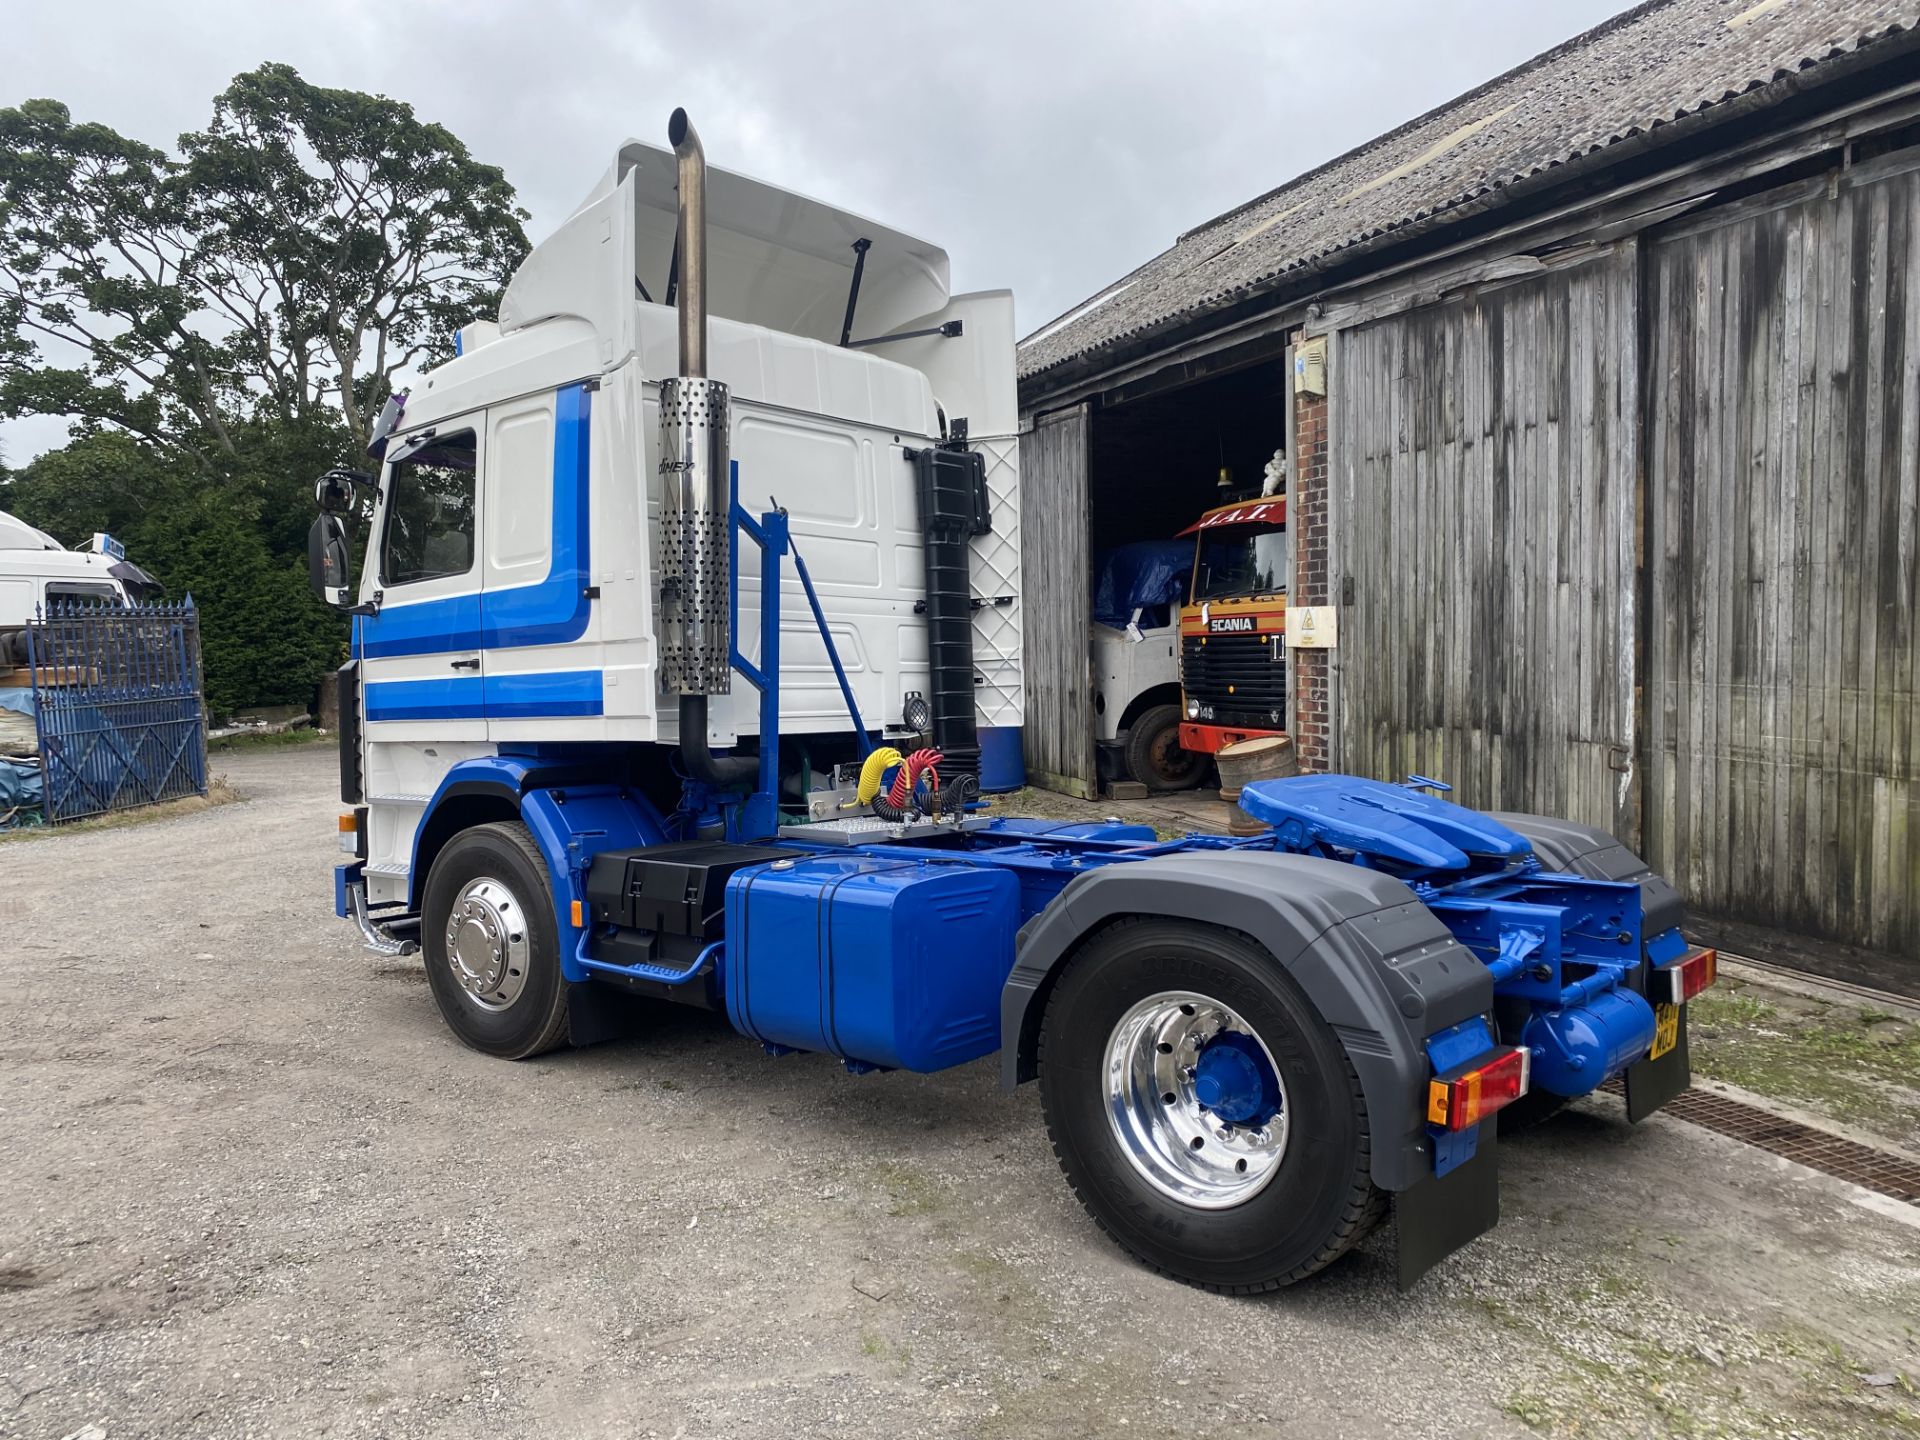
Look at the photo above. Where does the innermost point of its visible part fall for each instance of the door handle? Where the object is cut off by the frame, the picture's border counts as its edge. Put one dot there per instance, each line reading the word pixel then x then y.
pixel 466 664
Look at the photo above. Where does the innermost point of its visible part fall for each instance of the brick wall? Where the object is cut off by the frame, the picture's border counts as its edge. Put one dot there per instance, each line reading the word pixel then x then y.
pixel 1307 517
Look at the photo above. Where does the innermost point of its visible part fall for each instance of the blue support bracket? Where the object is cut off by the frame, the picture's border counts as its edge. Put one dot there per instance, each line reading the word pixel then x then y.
pixel 1450 1051
pixel 758 815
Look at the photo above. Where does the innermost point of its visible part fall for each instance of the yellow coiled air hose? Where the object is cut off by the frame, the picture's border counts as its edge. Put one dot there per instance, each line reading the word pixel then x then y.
pixel 876 766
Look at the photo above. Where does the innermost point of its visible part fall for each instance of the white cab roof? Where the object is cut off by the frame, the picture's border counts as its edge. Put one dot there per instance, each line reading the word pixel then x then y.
pixel 16 534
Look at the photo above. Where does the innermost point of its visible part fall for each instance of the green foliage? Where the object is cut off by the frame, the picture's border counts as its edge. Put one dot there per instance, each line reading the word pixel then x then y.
pixel 310 246
pixel 222 325
pixel 375 234
pixel 265 639
pixel 97 320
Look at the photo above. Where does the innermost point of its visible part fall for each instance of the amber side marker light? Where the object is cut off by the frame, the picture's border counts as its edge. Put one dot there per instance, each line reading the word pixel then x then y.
pixel 1464 1100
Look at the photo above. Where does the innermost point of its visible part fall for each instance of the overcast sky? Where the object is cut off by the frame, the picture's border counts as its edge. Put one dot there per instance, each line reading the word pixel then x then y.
pixel 1048 146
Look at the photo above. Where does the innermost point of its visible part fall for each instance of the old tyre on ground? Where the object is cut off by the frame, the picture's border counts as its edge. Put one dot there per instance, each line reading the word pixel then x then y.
pixel 491 945
pixel 1155 756
pixel 1202 1110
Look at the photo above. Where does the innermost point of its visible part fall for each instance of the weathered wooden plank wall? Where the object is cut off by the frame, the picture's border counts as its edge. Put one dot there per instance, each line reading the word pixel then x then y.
pixel 1784 430
pixel 1057 602
pixel 1484 452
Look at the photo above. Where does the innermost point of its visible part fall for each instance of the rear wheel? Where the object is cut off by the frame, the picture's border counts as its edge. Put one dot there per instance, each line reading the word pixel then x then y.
pixel 1155 756
pixel 1202 1110
pixel 492 945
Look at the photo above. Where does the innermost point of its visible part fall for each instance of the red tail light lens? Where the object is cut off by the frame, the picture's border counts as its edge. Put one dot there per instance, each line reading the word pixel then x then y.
pixel 1680 982
pixel 1464 1100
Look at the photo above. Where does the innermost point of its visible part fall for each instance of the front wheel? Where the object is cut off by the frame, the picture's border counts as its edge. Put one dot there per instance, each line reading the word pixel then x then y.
pixel 1155 756
pixel 491 942
pixel 1204 1113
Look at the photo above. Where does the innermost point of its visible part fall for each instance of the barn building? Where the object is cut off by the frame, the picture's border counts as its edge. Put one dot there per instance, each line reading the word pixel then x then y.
pixel 1600 387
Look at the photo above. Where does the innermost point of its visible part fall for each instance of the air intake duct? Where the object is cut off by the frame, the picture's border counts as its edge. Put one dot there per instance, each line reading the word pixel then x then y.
pixel 696 534
pixel 951 484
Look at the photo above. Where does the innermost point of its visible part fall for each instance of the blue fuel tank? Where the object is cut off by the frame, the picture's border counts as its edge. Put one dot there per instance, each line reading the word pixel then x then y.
pixel 1578 1049
pixel 884 962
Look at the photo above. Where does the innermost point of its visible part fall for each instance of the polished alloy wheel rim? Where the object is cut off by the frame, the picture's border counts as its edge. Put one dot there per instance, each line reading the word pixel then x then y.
pixel 487 948
pixel 1195 1100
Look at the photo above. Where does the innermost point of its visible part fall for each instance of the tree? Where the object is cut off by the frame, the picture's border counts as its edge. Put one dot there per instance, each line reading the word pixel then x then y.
pixel 97 315
pixel 345 238
pixel 310 246
pixel 223 324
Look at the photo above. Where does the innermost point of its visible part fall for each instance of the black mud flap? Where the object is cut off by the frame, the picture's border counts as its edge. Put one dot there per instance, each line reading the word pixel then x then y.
pixel 1649 1084
pixel 1435 1218
pixel 600 1012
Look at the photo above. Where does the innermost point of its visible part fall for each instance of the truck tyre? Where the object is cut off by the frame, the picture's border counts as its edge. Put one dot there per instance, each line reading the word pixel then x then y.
pixel 1203 1112
pixel 1155 756
pixel 491 943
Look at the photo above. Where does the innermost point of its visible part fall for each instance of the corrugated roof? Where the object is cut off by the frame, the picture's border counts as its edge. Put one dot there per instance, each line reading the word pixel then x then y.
pixel 1642 70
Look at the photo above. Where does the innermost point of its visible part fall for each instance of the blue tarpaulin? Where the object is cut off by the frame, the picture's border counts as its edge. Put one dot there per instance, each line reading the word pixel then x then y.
pixel 20 788
pixel 1148 575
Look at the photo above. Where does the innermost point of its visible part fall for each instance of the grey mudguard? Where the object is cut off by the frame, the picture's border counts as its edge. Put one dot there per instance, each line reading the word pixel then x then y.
pixel 1375 962
pixel 1595 855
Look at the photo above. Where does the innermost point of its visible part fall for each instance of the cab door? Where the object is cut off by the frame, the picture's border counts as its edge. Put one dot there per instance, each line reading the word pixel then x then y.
pixel 420 650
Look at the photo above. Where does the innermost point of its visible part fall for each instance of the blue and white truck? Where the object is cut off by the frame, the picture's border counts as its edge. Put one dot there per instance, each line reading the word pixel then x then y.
pixel 721 433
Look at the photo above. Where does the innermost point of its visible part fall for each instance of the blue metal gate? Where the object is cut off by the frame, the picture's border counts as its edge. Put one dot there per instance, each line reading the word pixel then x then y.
pixel 117 704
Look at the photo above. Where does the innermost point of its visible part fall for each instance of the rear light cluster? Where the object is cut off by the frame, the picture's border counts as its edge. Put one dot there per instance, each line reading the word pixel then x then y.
pixel 1681 981
pixel 1462 1101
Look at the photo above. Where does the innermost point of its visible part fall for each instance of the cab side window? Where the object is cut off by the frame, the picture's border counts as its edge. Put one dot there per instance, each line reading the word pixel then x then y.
pixel 79 591
pixel 430 512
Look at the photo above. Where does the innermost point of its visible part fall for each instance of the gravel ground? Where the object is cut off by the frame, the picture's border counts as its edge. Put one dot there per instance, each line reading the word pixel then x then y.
pixel 252 1187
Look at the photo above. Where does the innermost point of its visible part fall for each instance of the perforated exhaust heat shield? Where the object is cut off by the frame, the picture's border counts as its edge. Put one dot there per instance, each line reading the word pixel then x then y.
pixel 695 539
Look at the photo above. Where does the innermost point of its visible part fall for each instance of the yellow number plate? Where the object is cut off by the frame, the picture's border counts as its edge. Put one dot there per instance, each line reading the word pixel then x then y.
pixel 1666 1029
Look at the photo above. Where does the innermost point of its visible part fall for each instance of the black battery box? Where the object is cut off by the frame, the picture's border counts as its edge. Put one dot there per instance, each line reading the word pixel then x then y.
pixel 674 889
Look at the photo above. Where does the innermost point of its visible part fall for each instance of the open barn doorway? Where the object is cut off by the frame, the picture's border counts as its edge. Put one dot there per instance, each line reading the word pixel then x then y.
pixel 1158 464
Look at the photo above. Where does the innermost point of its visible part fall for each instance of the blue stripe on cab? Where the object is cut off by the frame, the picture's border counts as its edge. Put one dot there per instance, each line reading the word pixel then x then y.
pixel 557 609
pixel 560 692
pixel 498 697
pixel 550 612
pixel 452 698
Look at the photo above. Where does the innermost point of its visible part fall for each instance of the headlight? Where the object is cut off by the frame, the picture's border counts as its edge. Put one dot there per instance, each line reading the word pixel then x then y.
pixel 1193 709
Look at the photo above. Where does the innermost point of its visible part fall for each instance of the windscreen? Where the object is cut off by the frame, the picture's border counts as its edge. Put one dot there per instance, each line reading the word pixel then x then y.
pixel 1238 560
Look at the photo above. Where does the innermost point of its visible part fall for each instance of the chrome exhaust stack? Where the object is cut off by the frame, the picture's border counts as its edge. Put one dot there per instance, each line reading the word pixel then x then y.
pixel 696 534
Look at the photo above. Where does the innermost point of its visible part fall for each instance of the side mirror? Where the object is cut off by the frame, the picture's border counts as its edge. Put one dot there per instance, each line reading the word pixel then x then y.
pixel 336 491
pixel 327 563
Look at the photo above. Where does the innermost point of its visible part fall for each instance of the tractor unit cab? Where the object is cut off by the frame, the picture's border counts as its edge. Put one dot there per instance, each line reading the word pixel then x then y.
pixel 585 526
pixel 1233 628
pixel 550 559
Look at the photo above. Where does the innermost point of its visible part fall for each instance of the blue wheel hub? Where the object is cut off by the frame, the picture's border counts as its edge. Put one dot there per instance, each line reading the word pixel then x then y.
pixel 1234 1080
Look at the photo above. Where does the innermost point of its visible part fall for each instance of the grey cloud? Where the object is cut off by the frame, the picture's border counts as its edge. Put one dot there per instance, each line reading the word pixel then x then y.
pixel 1050 147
